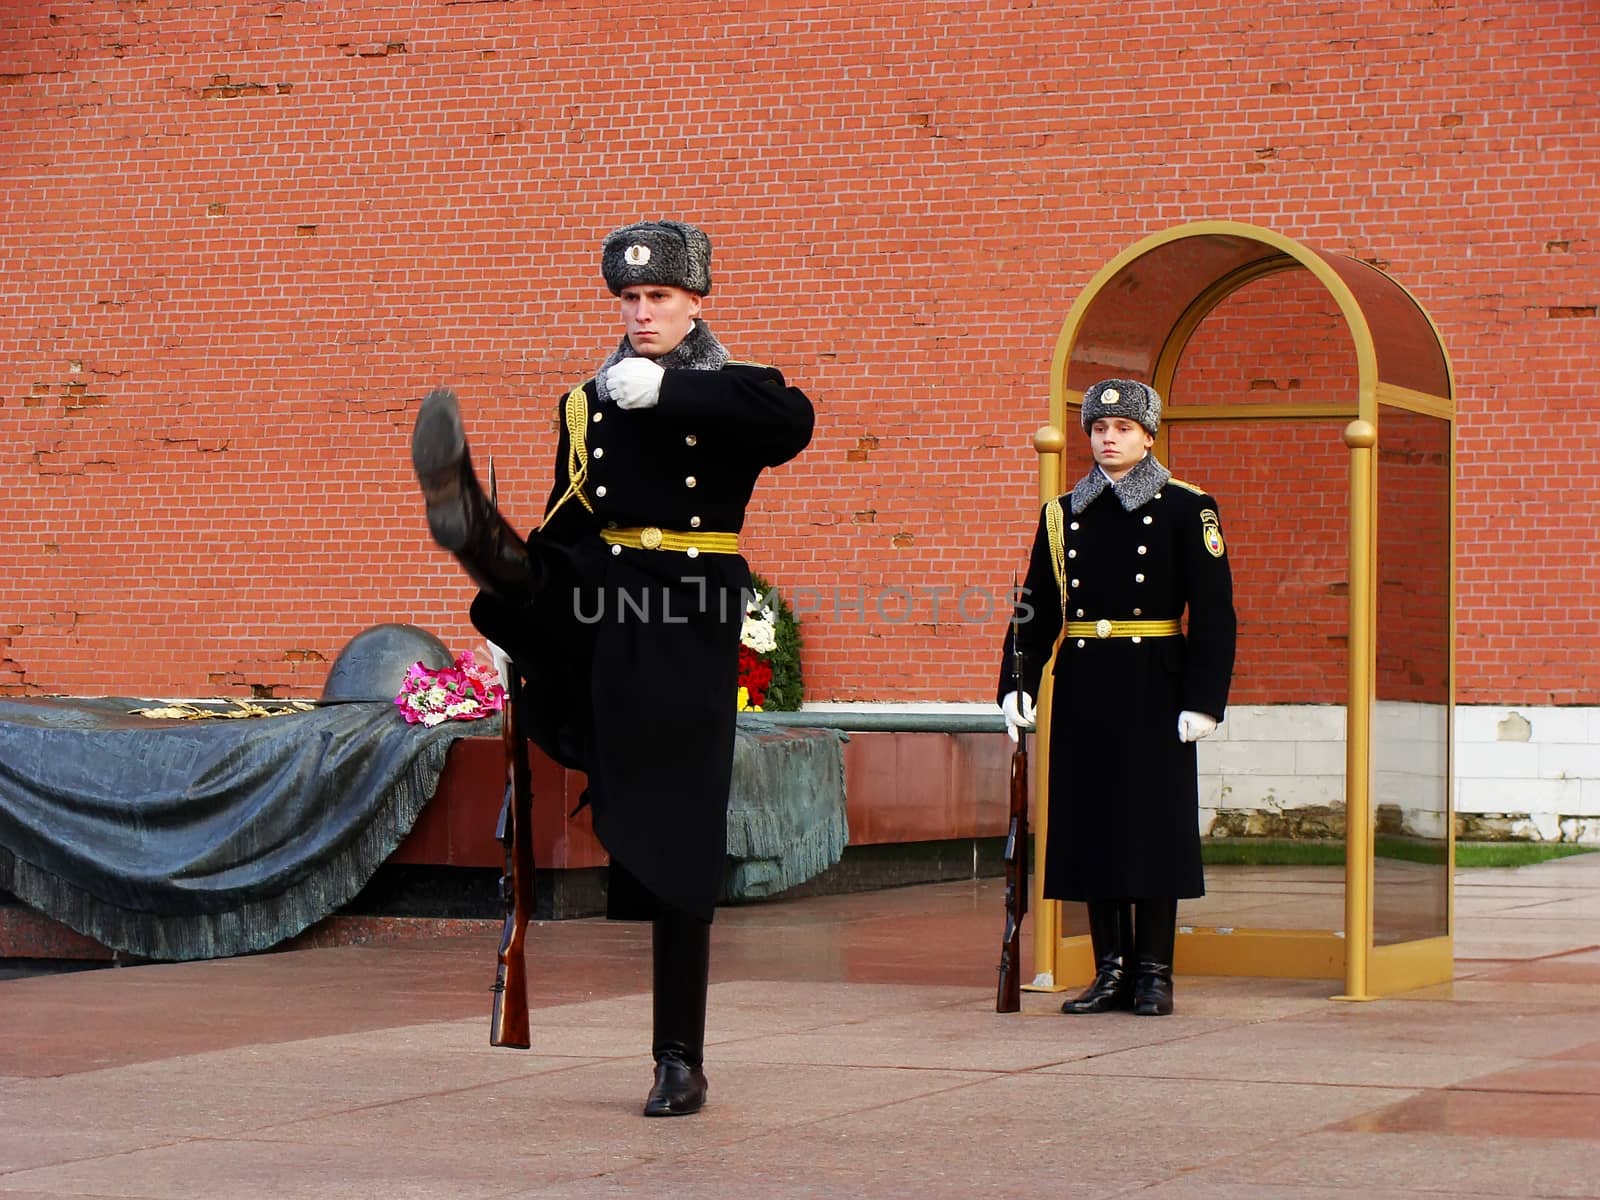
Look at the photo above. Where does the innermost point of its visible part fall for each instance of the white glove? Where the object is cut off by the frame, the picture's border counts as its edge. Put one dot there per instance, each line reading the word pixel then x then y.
pixel 1192 726
pixel 635 383
pixel 1018 716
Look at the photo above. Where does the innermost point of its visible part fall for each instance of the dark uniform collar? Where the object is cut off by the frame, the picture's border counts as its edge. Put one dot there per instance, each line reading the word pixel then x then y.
pixel 1134 489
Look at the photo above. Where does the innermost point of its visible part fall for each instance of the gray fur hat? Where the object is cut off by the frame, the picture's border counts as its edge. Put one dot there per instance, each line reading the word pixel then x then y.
pixel 668 252
pixel 1122 398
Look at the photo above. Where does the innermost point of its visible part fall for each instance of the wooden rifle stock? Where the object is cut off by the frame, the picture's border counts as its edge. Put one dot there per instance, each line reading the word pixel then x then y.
pixel 1008 995
pixel 508 1022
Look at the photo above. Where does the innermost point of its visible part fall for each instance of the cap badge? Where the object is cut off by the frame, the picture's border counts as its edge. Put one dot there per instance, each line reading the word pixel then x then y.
pixel 637 254
pixel 1110 396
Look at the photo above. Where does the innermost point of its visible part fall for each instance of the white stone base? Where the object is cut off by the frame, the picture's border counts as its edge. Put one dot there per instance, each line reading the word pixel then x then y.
pixel 1522 773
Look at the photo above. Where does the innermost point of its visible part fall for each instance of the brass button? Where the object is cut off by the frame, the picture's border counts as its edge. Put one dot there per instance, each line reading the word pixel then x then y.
pixel 650 537
pixel 1138 578
pixel 1074 525
pixel 1102 628
pixel 1081 643
pixel 615 550
pixel 1136 639
pixel 599 451
pixel 1144 549
pixel 1149 520
pixel 601 490
pixel 1072 554
pixel 690 440
pixel 1080 612
pixel 694 522
pixel 689 482
pixel 1138 612
pixel 693 551
pixel 597 417
pixel 1074 583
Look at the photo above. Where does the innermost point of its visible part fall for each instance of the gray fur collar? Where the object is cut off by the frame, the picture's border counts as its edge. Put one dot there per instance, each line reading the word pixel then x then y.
pixel 699 351
pixel 1134 489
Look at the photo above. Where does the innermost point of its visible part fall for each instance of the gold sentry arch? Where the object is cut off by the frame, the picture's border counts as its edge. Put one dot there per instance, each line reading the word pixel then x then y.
pixel 1134 320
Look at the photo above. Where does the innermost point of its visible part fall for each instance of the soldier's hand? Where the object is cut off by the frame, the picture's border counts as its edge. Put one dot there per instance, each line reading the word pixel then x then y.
pixel 1017 708
pixel 635 383
pixel 1192 726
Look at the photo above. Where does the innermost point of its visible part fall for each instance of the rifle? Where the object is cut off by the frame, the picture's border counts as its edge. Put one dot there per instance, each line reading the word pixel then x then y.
pixel 508 1022
pixel 1008 994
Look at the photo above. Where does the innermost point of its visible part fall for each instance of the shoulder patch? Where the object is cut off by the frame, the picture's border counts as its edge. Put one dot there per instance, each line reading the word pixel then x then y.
pixel 1187 486
pixel 1211 533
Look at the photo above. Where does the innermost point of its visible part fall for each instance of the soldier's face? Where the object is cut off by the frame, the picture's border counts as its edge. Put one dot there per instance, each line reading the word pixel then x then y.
pixel 657 317
pixel 1118 444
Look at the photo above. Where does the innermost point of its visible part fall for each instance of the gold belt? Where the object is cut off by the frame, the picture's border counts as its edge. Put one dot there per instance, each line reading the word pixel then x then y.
pixel 1123 629
pixel 649 537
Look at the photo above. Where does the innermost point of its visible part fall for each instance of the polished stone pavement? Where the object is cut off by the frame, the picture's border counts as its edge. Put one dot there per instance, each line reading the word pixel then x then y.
pixel 853 1052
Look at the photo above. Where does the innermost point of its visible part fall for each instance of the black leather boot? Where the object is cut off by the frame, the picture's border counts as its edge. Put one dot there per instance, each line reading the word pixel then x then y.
pixel 1155 928
pixel 1111 933
pixel 461 518
pixel 681 967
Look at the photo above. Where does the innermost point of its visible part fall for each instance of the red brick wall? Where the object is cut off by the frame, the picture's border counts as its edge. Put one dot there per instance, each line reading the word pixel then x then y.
pixel 241 240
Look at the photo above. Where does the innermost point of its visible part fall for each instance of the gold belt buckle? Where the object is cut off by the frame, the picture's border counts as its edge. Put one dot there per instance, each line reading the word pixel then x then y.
pixel 650 537
pixel 1102 628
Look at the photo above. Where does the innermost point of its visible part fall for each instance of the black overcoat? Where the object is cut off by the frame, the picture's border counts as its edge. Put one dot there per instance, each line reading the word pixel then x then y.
pixel 631 655
pixel 1123 815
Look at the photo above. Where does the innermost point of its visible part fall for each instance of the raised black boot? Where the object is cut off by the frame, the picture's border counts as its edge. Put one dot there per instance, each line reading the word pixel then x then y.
pixel 461 518
pixel 1111 933
pixel 1155 929
pixel 681 967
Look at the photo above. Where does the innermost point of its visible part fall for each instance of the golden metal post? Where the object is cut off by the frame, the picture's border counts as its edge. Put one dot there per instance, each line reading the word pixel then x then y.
pixel 1361 437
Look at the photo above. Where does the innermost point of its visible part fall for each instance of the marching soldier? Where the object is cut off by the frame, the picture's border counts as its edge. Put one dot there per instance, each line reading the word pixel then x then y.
pixel 623 610
pixel 1116 564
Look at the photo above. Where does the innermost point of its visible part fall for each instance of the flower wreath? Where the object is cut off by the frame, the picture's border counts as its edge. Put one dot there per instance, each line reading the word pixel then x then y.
pixel 465 691
pixel 769 653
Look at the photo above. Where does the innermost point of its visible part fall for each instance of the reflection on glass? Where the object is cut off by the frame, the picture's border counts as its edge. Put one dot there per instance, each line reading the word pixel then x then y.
pixel 1411 717
pixel 1272 781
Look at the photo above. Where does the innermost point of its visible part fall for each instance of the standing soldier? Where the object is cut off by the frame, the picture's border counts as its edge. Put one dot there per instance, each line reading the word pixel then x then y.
pixel 1115 564
pixel 623 610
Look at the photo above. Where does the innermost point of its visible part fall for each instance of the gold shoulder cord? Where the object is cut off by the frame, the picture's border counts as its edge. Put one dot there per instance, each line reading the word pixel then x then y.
pixel 1055 530
pixel 577 413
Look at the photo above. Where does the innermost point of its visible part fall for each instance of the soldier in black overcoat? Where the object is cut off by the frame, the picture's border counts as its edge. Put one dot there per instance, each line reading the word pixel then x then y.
pixel 622 611
pixel 1117 565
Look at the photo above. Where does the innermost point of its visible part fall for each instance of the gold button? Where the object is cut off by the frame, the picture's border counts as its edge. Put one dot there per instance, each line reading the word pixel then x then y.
pixel 601 490
pixel 1102 628
pixel 1144 549
pixel 1138 578
pixel 1080 612
pixel 1072 554
pixel 599 451
pixel 1136 639
pixel 1138 612
pixel 1149 520
pixel 689 482
pixel 690 440
pixel 1081 643
pixel 693 551
pixel 1074 525
pixel 694 522
pixel 616 550
pixel 1074 583
pixel 650 537
pixel 597 417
